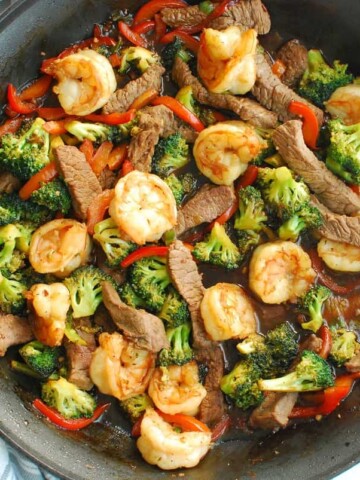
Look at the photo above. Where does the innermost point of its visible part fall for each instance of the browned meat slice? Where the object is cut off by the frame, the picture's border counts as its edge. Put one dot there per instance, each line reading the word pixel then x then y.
pixel 107 179
pixel 339 228
pixel 206 205
pixel 330 190
pixel 313 343
pixel 247 109
pixel 121 100
pixel 9 183
pixel 143 328
pixel 103 320
pixel 271 93
pixel 294 56
pixel 14 330
pixel 273 413
pixel 79 356
pixel 246 14
pixel 81 180
pixel 117 274
pixel 142 147
pixel 185 275
pixel 353 365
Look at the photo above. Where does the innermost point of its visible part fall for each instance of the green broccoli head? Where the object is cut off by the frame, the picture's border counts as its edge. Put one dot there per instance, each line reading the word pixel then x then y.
pixel 268 149
pixel 320 80
pixel 175 185
pixel 13 210
pixel 310 374
pixel 218 249
pixel 344 345
pixel 180 351
pixel 170 154
pixel 53 195
pixel 10 259
pixel 26 230
pixel 312 303
pixel 175 310
pixel 173 50
pixel 251 214
pixel 186 97
pixel 12 290
pixel 68 399
pixel 137 58
pixel 135 406
pixel 40 358
pixel 128 296
pixel 306 218
pixel 25 153
pixel 95 132
pixel 246 241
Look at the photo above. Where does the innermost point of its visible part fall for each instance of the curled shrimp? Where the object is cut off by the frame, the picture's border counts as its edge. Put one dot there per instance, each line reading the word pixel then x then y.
pixel 143 207
pixel 344 103
pixel 226 60
pixel 119 368
pixel 339 256
pixel 227 312
pixel 86 81
pixel 161 445
pixel 222 152
pixel 50 304
pixel 280 272
pixel 59 247
pixel 176 389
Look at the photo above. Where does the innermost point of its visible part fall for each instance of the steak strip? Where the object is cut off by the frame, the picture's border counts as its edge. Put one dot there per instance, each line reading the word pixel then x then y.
pixel 14 330
pixel 294 56
pixel 329 189
pixel 273 413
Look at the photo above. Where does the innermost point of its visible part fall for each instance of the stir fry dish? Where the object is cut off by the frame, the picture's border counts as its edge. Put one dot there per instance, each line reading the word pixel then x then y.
pixel 180 228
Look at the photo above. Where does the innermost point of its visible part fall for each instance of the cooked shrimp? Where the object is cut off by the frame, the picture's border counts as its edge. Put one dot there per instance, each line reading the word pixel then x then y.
pixel 143 207
pixel 339 256
pixel 177 389
pixel 280 272
pixel 161 445
pixel 86 81
pixel 227 312
pixel 226 60
pixel 59 247
pixel 344 103
pixel 119 368
pixel 222 152
pixel 50 304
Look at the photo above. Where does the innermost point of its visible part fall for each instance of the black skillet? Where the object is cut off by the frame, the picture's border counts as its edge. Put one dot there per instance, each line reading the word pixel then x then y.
pixel 317 450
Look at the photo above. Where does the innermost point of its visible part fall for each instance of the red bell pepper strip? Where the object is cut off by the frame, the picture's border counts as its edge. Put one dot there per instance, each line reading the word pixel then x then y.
pixel 355 189
pixel 310 128
pixel 248 177
pixel 117 156
pixel 325 335
pixel 131 36
pixel 45 175
pixel 278 68
pixel 16 104
pixel 220 428
pixel 143 252
pixel 115 60
pixel 37 89
pixel 190 42
pixel 217 12
pixel 148 10
pixel 87 148
pixel 144 99
pixel 10 126
pixel 111 118
pixel 56 127
pixel 180 111
pixel 144 27
pixel 185 422
pixel 97 209
pixel 68 424
pixel 101 157
pixel 136 429
pixel 219 117
pixel 160 27
pixel 127 167
pixel 97 31
pixel 51 113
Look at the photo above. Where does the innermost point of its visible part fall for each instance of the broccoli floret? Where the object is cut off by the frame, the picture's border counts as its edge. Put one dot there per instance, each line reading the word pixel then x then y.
pixel 100 132
pixel 12 289
pixel 135 406
pixel 84 285
pixel 246 241
pixel 251 214
pixel 68 399
pixel 186 97
pixel 320 80
pixel 175 310
pixel 306 218
pixel 175 185
pixel 138 58
pixel 128 296
pixel 149 278
pixel 109 237
pixel 13 210
pixel 53 195
pixel 218 249
pixel 206 7
pixel 344 345
pixel 40 358
pixel 26 230
pixel 180 351
pixel 170 154
pixel 268 149
pixel 189 183
pixel 10 259
pixel 25 153
pixel 173 50
pixel 310 374
pixel 312 303
pixel 343 154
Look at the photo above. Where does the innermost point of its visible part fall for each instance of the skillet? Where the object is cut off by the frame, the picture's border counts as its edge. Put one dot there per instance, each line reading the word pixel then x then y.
pixel 317 450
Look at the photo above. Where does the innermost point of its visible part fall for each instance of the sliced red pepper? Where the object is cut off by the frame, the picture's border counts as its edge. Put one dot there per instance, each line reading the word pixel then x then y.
pixel 117 156
pixel 148 10
pixel 112 118
pixel 51 113
pixel 220 428
pixel 310 128
pixel 55 127
pixel 217 12
pixel 96 211
pixel 103 40
pixel 16 104
pixel 68 424
pixel 325 335
pixel 97 31
pixel 185 422
pixel 190 42
pixel 127 167
pixel 101 157
pixel 219 117
pixel 136 429
pixel 160 27
pixel 115 60
pixel 248 177
pixel 10 126
pixel 87 148
pixel 131 36
pixel 144 27
pixel 143 252
pixel 278 68
pixel 355 189
pixel 144 99
pixel 37 89
pixel 45 175
pixel 180 111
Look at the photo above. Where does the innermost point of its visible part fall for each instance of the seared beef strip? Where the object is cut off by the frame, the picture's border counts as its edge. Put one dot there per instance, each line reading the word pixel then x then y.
pixel 107 179
pixel 81 180
pixel 121 100
pixel 14 330
pixel 294 56
pixel 273 413
pixel 245 14
pixel 247 109
pixel 271 93
pixel 143 328
pixel 205 206
pixel 353 365
pixel 186 278
pixel 9 183
pixel 329 189
pixel 313 343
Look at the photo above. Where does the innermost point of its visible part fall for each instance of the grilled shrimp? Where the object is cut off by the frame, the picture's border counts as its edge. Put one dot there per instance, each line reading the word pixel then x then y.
pixel 161 445
pixel 222 152
pixel 86 81
pixel 59 247
pixel 226 60
pixel 344 103
pixel 339 256
pixel 227 312
pixel 50 304
pixel 143 207
pixel 280 271
pixel 119 368
pixel 177 389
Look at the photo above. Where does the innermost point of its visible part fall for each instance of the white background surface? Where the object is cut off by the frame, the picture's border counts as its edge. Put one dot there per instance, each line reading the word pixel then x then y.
pixel 352 474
